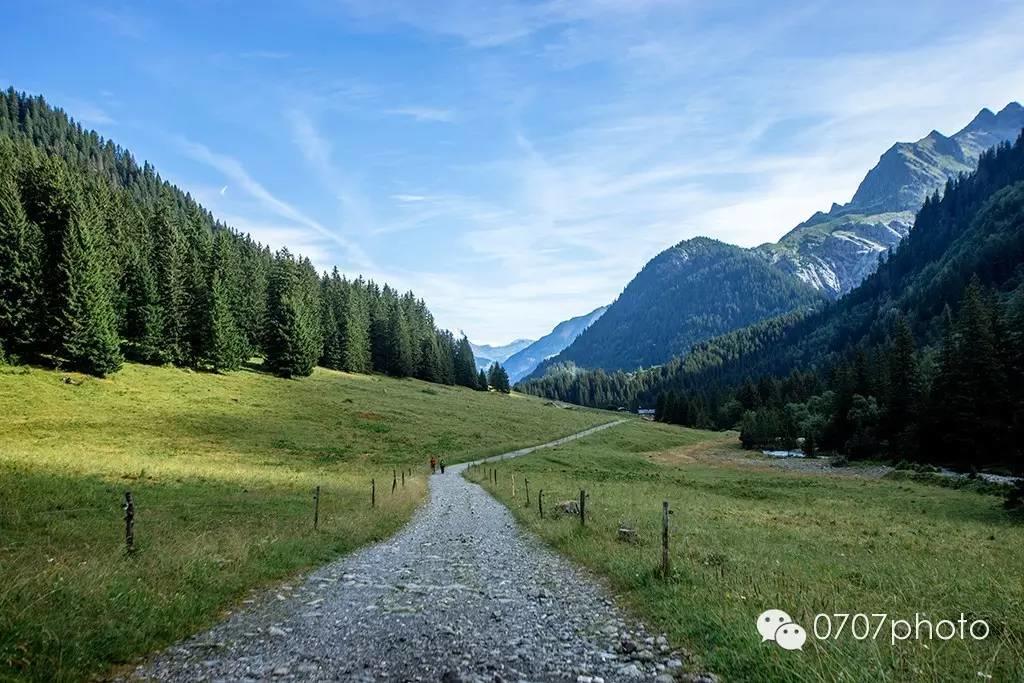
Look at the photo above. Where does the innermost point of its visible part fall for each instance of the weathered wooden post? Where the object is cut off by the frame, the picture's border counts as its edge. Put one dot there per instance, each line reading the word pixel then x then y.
pixel 394 481
pixel 540 503
pixel 316 509
pixel 583 504
pixel 513 484
pixel 373 493
pixel 403 479
pixel 527 483
pixel 664 540
pixel 129 522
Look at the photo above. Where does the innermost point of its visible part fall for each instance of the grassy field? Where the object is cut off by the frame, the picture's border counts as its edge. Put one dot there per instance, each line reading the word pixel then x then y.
pixel 222 469
pixel 748 535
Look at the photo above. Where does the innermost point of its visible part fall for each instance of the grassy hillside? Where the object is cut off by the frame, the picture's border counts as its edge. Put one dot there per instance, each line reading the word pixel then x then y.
pixel 222 469
pixel 750 534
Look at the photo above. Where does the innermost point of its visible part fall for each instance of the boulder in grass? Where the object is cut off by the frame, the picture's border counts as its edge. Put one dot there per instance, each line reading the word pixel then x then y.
pixel 568 507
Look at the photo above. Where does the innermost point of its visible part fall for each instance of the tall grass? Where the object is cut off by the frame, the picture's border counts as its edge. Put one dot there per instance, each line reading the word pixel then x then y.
pixel 222 469
pixel 746 538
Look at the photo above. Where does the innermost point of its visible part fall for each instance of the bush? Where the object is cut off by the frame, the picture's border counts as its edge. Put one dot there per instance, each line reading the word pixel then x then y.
pixel 839 461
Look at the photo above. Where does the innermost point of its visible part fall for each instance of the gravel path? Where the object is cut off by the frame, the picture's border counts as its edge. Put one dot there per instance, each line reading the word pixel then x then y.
pixel 460 594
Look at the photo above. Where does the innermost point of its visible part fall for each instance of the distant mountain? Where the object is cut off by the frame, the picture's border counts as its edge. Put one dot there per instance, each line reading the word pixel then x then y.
pixel 521 364
pixel 975 231
pixel 701 288
pixel 486 355
pixel 694 291
pixel 834 252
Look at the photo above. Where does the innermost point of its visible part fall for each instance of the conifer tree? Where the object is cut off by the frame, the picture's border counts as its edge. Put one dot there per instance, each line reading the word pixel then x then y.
pixel 220 343
pixel 141 323
pixel 170 278
pixel 19 265
pixel 398 342
pixel 222 346
pixel 481 381
pixel 498 378
pixel 465 364
pixel 903 391
pixel 356 329
pixel 330 306
pixel 88 329
pixel 291 343
pixel 198 305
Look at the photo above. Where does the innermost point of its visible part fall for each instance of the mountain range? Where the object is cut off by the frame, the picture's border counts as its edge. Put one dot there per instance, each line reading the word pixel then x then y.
pixel 522 363
pixel 486 354
pixel 835 251
pixel 701 288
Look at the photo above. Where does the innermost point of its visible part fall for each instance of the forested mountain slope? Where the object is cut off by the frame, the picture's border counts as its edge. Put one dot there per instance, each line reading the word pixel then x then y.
pixel 101 259
pixel 696 290
pixel 662 311
pixel 522 363
pixel 924 359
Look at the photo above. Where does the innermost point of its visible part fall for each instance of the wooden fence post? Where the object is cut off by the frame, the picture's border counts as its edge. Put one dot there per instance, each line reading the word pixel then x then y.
pixel 526 481
pixel 373 493
pixel 129 522
pixel 316 509
pixel 394 481
pixel 513 484
pixel 664 540
pixel 403 479
pixel 540 503
pixel 583 505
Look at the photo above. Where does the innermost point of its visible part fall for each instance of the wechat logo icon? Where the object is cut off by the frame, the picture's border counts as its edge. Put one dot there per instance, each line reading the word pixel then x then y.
pixel 774 624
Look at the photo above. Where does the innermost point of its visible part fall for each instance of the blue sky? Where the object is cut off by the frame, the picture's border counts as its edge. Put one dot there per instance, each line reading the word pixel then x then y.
pixel 514 163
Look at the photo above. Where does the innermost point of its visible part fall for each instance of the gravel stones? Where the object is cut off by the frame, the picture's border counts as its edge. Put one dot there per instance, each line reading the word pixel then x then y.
pixel 460 595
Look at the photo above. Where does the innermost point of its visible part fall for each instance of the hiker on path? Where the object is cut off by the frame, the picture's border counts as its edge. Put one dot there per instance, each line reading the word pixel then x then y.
pixel 442 465
pixel 433 465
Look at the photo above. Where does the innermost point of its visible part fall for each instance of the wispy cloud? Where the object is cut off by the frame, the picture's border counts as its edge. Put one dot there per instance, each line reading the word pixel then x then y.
pixel 90 113
pixel 431 114
pixel 233 170
pixel 265 54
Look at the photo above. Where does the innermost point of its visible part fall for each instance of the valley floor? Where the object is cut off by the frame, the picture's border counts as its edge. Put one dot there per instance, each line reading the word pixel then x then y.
pixel 461 594
pixel 748 535
pixel 222 470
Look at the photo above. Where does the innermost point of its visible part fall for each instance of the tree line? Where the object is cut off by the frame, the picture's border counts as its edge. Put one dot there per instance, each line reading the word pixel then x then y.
pixel 101 261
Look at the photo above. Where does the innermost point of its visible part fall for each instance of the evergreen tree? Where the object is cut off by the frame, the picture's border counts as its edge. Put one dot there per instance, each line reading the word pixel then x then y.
pixel 19 265
pixel 498 378
pixel 482 382
pixel 291 343
pixel 903 392
pixel 170 279
pixel 88 329
pixel 222 346
pixel 465 364
pixel 220 343
pixel 398 343
pixel 355 334
pixel 197 280
pixel 141 323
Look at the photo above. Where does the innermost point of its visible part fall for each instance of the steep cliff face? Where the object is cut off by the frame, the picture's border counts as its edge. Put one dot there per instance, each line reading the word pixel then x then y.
pixel 833 252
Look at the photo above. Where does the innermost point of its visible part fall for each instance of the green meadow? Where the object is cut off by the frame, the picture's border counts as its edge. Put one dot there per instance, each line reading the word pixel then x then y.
pixel 222 469
pixel 747 535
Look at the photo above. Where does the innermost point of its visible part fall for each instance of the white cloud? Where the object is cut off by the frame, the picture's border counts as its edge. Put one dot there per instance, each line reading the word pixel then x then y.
pixel 234 171
pixel 428 114
pixel 89 113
